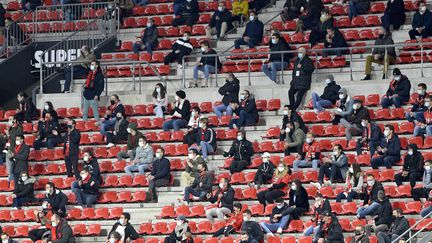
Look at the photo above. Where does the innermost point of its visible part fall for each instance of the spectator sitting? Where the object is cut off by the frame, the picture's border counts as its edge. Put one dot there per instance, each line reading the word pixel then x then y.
pixel 394 14
pixel 6 238
pixel 223 198
pixel 220 23
pixel 114 237
pixel 188 15
pixel 295 138
pixel 253 33
pixel 311 155
pixel 418 108
pixel 208 63
pixel 319 32
pixel 30 5
pixel 26 110
pixel 388 150
pixel 241 151
pixel 160 100
pixel 370 138
pixel 383 219
pixel 353 184
pixel 345 106
pixel 181 47
pixel 125 228
pixel 277 61
pixel 60 230
pixel 424 191
pixel 264 172
pixel 201 186
pixel 149 38
pixel 88 189
pixel 320 206
pixel 290 116
pixel 205 139
pixel 329 96
pixel 132 143
pixel 71 152
pixel 23 191
pixel 49 133
pixel 180 113
pixel 301 78
pixel 143 158
pixel 427 210
pixel 291 9
pixel 240 11
pixel 352 122
pixel 397 228
pixel 358 7
pixel 180 230
pixel 233 223
pixel 90 163
pixel 412 169
pixel 398 92
pixel 192 162
pixel 381 55
pixel 160 174
pixel 111 115
pixel 19 158
pixel 48 108
pixel 278 222
pixel 309 15
pixel 245 238
pixel 82 68
pixel 360 235
pixel 194 122
pixel 177 7
pixel 330 229
pixel 425 126
pixel 42 218
pixel 421 23
pixel 119 134
pixel 334 39
pixel 371 203
pixel 246 111
pixel 230 92
pixel 55 199
pixel 251 228
pixel 278 187
pixel 334 168
pixel 298 201
pixel 93 87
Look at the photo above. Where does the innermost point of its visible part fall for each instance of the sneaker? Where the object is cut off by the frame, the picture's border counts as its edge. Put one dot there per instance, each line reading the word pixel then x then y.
pixel 110 145
pixel 279 231
pixel 78 207
pixel 270 234
pixel 316 111
pixel 14 208
pixel 367 77
pixel 327 183
pixel 316 184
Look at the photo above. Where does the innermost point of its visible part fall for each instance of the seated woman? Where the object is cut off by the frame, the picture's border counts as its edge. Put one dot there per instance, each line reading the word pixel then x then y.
pixel 353 184
pixel 180 232
pixel 120 131
pixel 180 113
pixel 246 111
pixel 279 185
pixel 160 101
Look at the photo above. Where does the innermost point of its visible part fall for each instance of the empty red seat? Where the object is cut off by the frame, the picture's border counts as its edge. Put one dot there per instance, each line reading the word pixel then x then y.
pixel 413 207
pixel 146 228
pixel 274 104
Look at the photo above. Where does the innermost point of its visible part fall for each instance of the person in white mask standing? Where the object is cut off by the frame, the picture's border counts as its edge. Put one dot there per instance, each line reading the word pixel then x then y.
pixel 301 78
pixel 422 22
pixel 93 87
pixel 253 33
pixel 329 96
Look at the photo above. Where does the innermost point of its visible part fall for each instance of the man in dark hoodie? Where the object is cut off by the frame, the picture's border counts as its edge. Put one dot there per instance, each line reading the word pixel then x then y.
pixel 253 33
pixel 370 137
pixel 381 222
pixel 397 228
pixel 329 96
pixel 160 174
pixel 23 191
pixel 251 227
pixel 223 198
pixel 412 169
pixel 301 78
pixel 93 87
pixel 264 172
pixel 330 229
pixel 277 61
pixel 123 225
pixel 246 111
pixel 201 186
pixel 181 47
pixel 418 108
pixel 54 199
pixel 321 205
pixel 352 122
pixel 290 116
pixel 90 163
pixel 26 110
pixel 208 64
pixel 422 22
pixel 60 230
pixel 149 39
pixel 220 23
pixel 388 150
pixel 370 196
pixel 188 15
pixel 398 92
pixel 205 139
pixel 88 189
pixel 334 39
pixel 241 151
pixel 180 113
pixel 230 92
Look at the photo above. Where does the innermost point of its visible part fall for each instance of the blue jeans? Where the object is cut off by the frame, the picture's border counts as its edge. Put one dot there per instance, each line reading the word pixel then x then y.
pixel 311 230
pixel 319 103
pixel 206 148
pixel 141 168
pixel 351 195
pixel 368 210
pixel 107 125
pixel 240 41
pixel 206 69
pixel 221 108
pixel 140 2
pixel 270 70
pixel 396 101
pixel 94 104
pixel 137 47
pixel 419 131
pixel 189 190
pixel 243 120
pixel 50 143
pixel 304 163
pixel 77 71
pixel 386 161
pixel 426 211
pixel 175 124
pixel 84 199
pixel 271 228
pixel 417 116
pixel 19 201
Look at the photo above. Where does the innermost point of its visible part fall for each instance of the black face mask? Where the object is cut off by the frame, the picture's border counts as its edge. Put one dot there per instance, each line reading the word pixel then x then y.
pixel 118 118
pixel 381 36
pixel 112 102
pixel 357 232
pixel 69 126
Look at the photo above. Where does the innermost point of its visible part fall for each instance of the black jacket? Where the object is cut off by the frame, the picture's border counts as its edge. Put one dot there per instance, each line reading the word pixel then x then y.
pixel 230 91
pixel 46 128
pixel 64 233
pixel 119 108
pixel 122 129
pixel 422 20
pixel 73 139
pixel 399 226
pixel 88 188
pixel 393 146
pixel 304 79
pixel 190 9
pixel 185 47
pixel 209 136
pixel 249 107
pixel 277 57
pixel 419 104
pixel 227 198
pixel 373 195
pixel 93 167
pixel 331 92
pixel 396 10
pixel 253 229
pixel 20 159
pixel 150 35
pixel 385 213
pixel 357 115
pixel 161 169
pixel 323 26
pixel 25 189
pixel 207 182
pixel 375 134
pixel 241 150
pixel 413 163
pixel 53 113
pixel 28 110
pixel 334 233
pixel 277 210
pixel 338 40
pixel 210 60
pixel 97 88
pixel 267 169
pixel 301 202
pixel 129 231
pixel 401 88
pixel 294 117
pixel 58 201
pixel 224 16
pixel 184 111
pixel 14 131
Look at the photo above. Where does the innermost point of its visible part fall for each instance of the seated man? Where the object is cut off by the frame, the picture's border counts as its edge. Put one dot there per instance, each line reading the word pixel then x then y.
pixel 371 137
pixel 188 15
pixel 112 110
pixel 201 186
pixel 223 198
pixel 397 228
pixel 418 108
pixel 264 172
pixel 80 69
pixel 181 47
pixel 295 138
pixel 425 126
pixel 358 7
pixel 241 151
pixel 160 174
pixel 388 150
pixel 419 192
pixel 253 33
pixel 329 96
pixel 205 139
pixel 380 55
pixel 90 163
pixel 192 162
pixel 208 64
pixel 180 113
pixel 360 235
pixel 125 228
pixel 412 169
pixel 344 106
pixel 246 111
pixel 143 158
pixel 334 39
pixel 54 199
pixel 277 222
pixel 382 220
pixel 330 229
pixel 119 133
pixel 422 22
pixel 132 143
pixel 230 92
pixel 321 205
pixel 220 23
pixel 311 155
pixel 233 223
pixel 49 133
pixel 334 168
pixel 24 191
pixel 88 189
pixel 277 61
pixel 290 116
pixel 370 198
pixel 352 121
pixel 251 227
pixel 149 39
pixel 60 230
pixel 398 92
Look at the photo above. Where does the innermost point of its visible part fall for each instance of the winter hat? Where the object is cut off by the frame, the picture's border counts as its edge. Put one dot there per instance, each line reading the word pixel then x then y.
pixel 397 72
pixel 181 94
pixel 343 91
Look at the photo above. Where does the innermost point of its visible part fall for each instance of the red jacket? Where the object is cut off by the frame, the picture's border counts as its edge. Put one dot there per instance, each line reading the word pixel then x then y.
pixel 236 221
pixel 312 150
pixel 276 181
pixel 428 116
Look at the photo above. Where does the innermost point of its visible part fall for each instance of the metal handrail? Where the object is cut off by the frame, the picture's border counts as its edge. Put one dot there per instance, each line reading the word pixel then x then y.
pixel 6 43
pixel 408 231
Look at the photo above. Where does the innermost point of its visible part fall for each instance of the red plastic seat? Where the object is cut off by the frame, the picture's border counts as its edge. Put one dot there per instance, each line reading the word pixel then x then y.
pixel 124 196
pixel 100 213
pixel 403 191
pixel 349 208
pixel 197 211
pixel 413 207
pixel 295 226
pixel 417 141
pixel 125 181
pixel 146 228
pixel 261 105
pixel 309 116
pixel 274 104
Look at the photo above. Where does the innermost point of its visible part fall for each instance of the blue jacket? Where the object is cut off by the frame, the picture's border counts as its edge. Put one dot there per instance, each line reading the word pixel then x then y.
pixel 422 20
pixel 393 146
pixel 97 88
pixel 254 29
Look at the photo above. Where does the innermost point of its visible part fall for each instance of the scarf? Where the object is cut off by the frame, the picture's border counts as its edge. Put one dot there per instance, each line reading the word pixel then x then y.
pixel 179 104
pixel 203 131
pixel 393 85
pixel 113 107
pixel 90 79
pixel 222 191
pixel 17 148
pixel 87 179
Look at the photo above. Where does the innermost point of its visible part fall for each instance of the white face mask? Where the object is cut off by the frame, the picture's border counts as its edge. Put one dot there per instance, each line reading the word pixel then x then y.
pixel 121 221
pixel 220 9
pixel 129 130
pixel 185 38
pixel 427 168
pixel 351 170
pixel 323 15
pixel 355 106
pixel 24 178
pixel 5 241
pixel 273 41
pixel 386 133
pixel 423 9
pixel 239 138
pixel 86 158
pixel 10 123
pixel 242 96
pixel 112 240
pixel 341 96
pixel 179 223
pixel 92 67
pixel 281 168
pixel 294 187
pixel 149 24
pixel 335 153
pixel 158 90
pixel 420 92
pixel 191 156
pixel 287 130
pixel 285 112
pixel 251 18
pixel 279 206
pixel 265 160
pixel 141 144
pixel 203 49
pixel 54 224
pixel 221 185
pixel 46 107
pixel 427 104
pixel 327 81
pixel 18 142
pixel 300 55
pixel 371 183
pixel 364 124
pixel 397 78
pixel 308 140
pixel 245 219
pixel 410 152
pixel 177 98
pixel 158 155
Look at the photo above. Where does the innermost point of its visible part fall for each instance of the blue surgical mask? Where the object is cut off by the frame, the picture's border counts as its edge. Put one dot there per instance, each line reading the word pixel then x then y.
pixel 273 41
pixel 300 55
